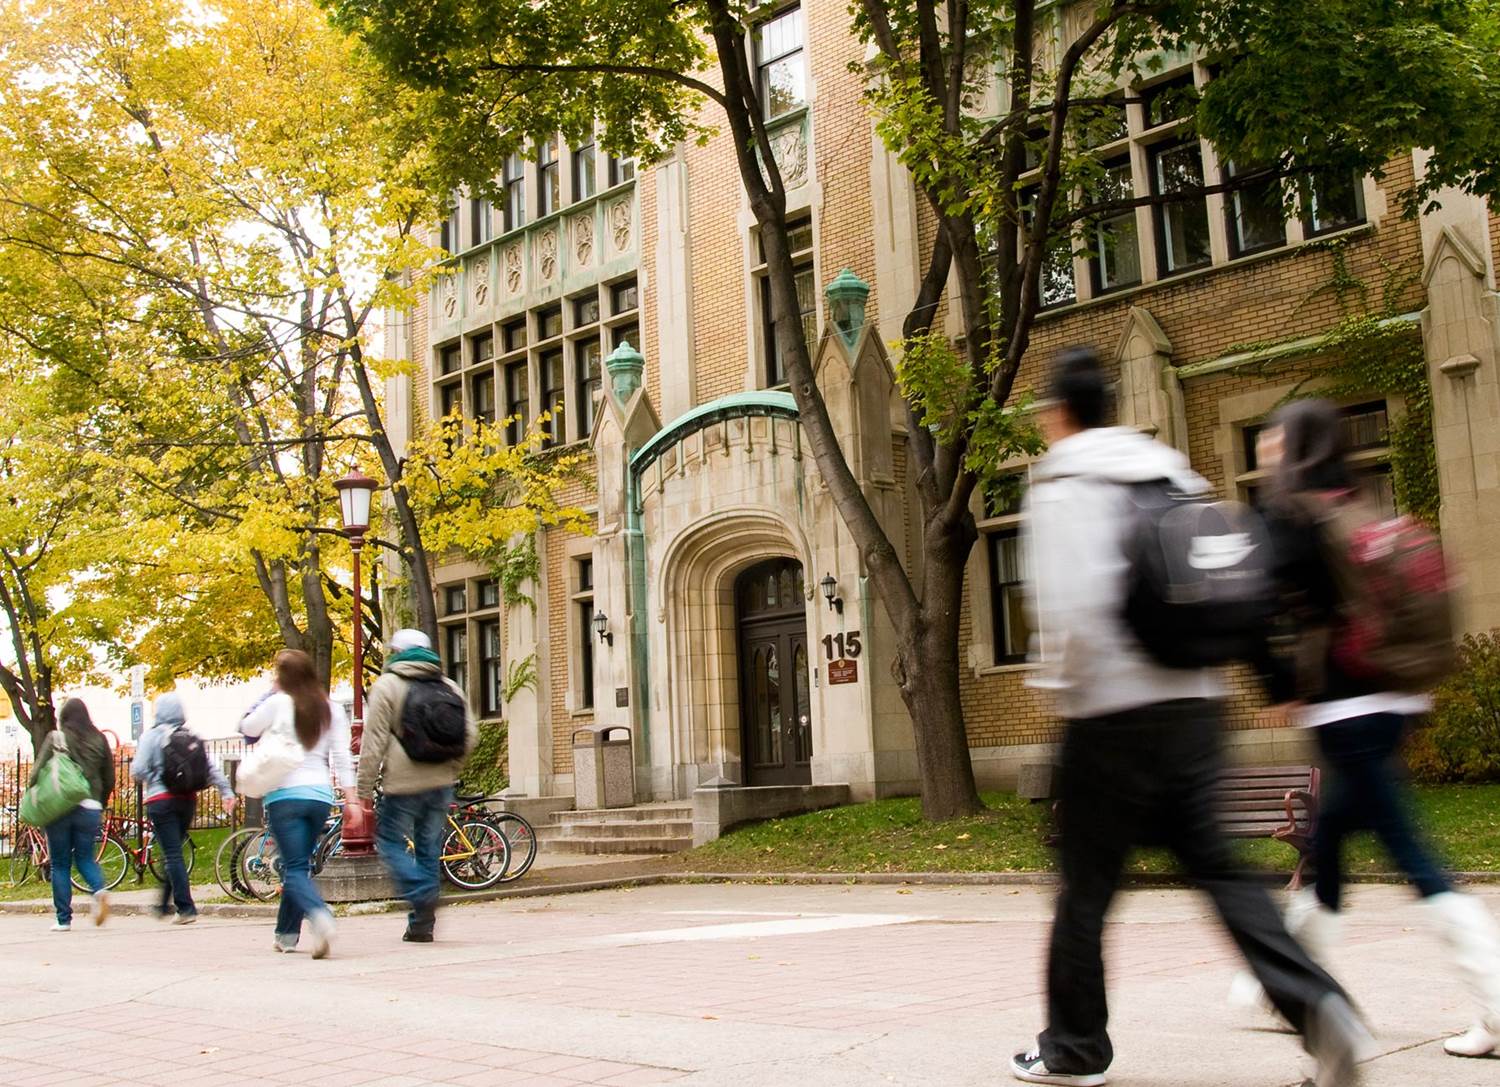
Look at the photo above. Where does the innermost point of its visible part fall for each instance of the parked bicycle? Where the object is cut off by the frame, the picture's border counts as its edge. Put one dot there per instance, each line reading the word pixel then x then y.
pixel 28 854
pixel 519 835
pixel 129 845
pixel 248 865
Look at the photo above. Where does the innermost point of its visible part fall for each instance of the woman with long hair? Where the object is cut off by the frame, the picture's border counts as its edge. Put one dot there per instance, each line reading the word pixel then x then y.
pixel 298 808
pixel 1358 722
pixel 73 839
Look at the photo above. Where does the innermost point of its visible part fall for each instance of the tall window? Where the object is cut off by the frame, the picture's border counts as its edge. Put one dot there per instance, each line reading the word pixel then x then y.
pixel 448 232
pixel 1182 222
pixel 1116 260
pixel 1367 436
pixel 800 240
pixel 481 221
pixel 583 611
pixel 1253 210
pixel 489 667
pixel 551 364
pixel 1001 526
pixel 620 170
pixel 589 368
pixel 482 396
pixel 450 358
pixel 456 664
pixel 779 63
pixel 1057 285
pixel 584 182
pixel 517 401
pixel 548 178
pixel 513 178
pixel 451 399
pixel 1333 203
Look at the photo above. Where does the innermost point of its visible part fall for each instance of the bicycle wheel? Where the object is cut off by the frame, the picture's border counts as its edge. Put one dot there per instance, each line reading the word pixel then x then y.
pixel 114 862
pixel 475 855
pixel 22 861
pixel 227 863
pixel 521 838
pixel 259 869
pixel 158 863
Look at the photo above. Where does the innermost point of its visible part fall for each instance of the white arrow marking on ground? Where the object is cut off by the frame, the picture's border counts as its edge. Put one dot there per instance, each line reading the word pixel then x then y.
pixel 750 930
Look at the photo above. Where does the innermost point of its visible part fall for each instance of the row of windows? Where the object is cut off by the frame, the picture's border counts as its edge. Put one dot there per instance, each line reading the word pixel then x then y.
pixel 460 231
pixel 548 360
pixel 1367 431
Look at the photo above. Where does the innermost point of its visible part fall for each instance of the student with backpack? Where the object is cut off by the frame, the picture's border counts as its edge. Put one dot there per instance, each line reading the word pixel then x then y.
pixel 299 746
pixel 72 835
pixel 418 732
pixel 1141 749
pixel 174 766
pixel 1368 612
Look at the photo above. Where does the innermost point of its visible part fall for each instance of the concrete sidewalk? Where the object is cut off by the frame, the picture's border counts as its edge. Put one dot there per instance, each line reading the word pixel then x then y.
pixel 693 985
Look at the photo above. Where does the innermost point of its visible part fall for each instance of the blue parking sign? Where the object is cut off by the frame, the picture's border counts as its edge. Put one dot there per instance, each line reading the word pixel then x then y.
pixel 137 717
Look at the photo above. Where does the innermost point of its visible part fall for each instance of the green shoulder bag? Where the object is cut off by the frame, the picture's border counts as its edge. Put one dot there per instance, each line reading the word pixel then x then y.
pixel 60 787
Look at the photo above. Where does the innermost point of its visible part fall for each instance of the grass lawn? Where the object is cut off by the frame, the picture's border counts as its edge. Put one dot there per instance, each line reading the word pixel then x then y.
pixel 1463 821
pixel 207 844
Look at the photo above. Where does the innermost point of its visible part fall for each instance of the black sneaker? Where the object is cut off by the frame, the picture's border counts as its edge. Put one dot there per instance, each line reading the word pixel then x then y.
pixel 1032 1069
pixel 411 936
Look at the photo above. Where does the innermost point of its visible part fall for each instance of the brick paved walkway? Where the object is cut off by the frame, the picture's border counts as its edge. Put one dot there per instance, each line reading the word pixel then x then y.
pixel 699 985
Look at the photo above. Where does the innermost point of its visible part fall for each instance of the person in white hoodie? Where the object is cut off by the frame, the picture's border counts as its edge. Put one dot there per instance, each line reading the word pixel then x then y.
pixel 1141 749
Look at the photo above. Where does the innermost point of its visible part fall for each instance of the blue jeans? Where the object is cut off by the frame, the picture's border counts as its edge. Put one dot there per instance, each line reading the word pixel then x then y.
pixel 171 818
pixel 296 825
pixel 73 839
pixel 418 818
pixel 1365 790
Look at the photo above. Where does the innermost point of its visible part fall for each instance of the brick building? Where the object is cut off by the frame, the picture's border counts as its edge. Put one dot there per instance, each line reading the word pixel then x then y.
pixel 696 614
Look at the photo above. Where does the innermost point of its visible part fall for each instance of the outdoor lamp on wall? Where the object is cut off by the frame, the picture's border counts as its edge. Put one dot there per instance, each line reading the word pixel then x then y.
pixel 847 297
pixel 831 594
pixel 601 628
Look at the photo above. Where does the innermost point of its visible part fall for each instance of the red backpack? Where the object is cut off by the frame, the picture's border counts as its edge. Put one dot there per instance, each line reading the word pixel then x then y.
pixel 1396 622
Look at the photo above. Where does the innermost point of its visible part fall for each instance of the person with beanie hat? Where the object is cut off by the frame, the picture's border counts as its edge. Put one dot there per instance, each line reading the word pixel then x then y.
pixel 171 814
pixel 415 795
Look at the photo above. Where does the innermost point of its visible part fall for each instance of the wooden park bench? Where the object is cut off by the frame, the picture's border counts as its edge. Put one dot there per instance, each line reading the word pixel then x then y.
pixel 1278 802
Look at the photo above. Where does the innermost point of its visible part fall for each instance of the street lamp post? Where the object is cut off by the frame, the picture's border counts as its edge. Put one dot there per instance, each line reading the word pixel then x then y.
pixel 355 491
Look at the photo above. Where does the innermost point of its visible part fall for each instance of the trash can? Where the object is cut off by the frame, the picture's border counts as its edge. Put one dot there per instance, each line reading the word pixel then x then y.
pixel 603 767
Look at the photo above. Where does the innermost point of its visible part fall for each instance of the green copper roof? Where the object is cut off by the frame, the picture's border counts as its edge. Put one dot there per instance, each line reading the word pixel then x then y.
pixel 733 406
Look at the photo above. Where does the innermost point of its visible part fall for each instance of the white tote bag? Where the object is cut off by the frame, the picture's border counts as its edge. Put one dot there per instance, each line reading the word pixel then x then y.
pixel 271 758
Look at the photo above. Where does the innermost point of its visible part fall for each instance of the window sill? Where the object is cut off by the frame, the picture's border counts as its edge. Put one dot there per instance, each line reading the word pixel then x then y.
pixel 1007 669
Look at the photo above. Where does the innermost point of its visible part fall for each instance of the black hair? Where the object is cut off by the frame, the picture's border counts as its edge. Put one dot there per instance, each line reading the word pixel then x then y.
pixel 1314 449
pixel 1078 383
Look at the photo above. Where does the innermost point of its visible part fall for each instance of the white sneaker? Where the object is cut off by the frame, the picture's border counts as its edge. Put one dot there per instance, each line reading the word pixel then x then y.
pixel 321 924
pixel 101 907
pixel 1030 1068
pixel 60 926
pixel 1477 1041
pixel 284 945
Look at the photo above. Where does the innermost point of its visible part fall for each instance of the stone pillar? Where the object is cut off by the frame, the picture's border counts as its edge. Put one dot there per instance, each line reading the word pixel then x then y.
pixel 1150 394
pixel 529 731
pixel 674 298
pixel 1461 335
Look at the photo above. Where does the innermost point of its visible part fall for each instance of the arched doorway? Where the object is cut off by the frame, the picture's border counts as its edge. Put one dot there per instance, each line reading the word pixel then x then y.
pixel 775 714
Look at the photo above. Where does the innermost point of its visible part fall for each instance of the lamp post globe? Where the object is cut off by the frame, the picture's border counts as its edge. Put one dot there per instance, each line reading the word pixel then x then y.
pixel 355 491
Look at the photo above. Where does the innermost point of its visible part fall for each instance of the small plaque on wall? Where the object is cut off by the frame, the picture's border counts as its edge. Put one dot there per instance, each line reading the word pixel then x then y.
pixel 843 670
pixel 622 696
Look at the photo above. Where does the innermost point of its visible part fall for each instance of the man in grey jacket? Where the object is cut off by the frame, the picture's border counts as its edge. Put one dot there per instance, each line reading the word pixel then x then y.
pixel 1141 750
pixel 415 796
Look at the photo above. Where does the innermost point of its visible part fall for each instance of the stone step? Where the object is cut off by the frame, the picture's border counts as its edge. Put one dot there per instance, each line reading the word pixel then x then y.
pixel 639 813
pixel 619 845
pixel 626 828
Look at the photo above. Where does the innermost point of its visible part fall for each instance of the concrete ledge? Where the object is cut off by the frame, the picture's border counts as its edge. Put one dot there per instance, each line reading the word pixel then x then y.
pixel 354 879
pixel 717 808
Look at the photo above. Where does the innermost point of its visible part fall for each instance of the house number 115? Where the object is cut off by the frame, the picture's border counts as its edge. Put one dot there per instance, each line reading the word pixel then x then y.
pixel 841 646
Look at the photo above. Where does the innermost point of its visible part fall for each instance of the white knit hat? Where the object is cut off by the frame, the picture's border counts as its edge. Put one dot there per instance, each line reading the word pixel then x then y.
pixel 407 638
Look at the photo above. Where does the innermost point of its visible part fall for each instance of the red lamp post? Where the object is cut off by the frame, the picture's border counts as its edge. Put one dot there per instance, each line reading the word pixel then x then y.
pixel 355 491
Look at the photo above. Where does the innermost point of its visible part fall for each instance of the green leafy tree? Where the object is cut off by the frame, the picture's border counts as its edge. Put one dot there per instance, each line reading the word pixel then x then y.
pixel 1303 91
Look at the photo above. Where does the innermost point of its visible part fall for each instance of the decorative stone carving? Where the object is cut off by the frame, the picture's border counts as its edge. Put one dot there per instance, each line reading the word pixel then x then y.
pixel 583 239
pixel 789 148
pixel 513 269
pixel 481 272
pixel 547 253
pixel 450 296
pixel 620 223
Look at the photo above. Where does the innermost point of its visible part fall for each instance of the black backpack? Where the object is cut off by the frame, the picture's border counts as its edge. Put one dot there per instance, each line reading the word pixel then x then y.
pixel 434 721
pixel 1199 589
pixel 184 763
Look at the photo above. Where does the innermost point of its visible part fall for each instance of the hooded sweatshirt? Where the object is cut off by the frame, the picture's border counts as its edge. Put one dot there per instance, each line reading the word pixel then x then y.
pixel 169 714
pixel 381 757
pixel 1078 510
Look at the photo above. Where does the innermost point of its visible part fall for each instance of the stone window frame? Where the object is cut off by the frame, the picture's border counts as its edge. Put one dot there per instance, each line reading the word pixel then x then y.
pixel 581 674
pixel 469 577
pixel 982 646
pixel 804 259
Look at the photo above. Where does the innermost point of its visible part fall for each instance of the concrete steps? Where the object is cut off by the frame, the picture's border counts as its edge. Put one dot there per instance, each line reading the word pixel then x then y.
pixel 646 828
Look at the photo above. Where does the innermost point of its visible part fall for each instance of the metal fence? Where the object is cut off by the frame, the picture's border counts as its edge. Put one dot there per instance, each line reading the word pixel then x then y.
pixel 128 801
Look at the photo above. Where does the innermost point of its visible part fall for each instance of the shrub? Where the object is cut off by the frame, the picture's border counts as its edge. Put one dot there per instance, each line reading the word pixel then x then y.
pixel 1462 743
pixel 488 769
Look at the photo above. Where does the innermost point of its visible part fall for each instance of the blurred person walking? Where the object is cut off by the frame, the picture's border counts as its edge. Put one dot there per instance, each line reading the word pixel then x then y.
pixel 299 717
pixel 1142 745
pixel 174 766
pixel 418 732
pixel 1367 604
pixel 72 840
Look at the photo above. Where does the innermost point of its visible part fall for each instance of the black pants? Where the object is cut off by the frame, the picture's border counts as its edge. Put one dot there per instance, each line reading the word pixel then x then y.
pixel 1364 790
pixel 171 818
pixel 1148 775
